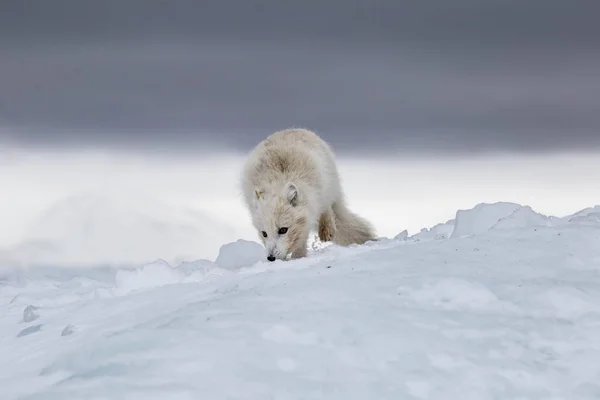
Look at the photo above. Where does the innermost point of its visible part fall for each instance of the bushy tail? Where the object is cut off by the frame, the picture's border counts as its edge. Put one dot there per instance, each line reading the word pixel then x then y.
pixel 349 227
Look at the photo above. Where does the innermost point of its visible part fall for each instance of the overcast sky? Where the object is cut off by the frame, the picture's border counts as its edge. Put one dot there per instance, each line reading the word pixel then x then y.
pixel 370 76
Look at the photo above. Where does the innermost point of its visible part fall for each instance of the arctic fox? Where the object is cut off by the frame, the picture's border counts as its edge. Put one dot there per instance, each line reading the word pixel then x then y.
pixel 291 186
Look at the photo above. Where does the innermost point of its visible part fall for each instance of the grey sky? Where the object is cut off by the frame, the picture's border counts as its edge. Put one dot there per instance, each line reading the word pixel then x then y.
pixel 378 75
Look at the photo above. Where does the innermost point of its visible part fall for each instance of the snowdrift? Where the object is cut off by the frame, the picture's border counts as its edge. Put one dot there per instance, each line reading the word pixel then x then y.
pixel 500 302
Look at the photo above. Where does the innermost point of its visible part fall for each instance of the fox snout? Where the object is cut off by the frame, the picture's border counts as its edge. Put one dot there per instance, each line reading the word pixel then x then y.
pixel 274 253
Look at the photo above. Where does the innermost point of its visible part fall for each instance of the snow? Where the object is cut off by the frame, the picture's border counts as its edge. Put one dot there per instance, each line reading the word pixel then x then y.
pixel 481 218
pixel 523 217
pixel 586 215
pixel 91 228
pixel 500 302
pixel 239 254
pixel 439 231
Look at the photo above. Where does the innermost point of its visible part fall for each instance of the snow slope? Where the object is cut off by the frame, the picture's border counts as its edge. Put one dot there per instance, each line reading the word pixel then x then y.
pixel 507 309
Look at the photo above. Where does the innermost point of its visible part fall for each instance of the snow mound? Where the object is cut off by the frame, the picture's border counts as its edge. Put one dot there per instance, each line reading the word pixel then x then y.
pixel 160 273
pixel 95 229
pixel 585 211
pixel 152 275
pixel 239 254
pixel 486 217
pixel 587 215
pixel 523 217
pixel 481 218
pixel 437 232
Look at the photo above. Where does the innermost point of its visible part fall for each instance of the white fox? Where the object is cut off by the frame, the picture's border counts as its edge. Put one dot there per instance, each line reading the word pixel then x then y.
pixel 291 186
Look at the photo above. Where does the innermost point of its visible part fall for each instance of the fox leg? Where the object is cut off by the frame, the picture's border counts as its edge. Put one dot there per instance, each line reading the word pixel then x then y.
pixel 327 226
pixel 299 250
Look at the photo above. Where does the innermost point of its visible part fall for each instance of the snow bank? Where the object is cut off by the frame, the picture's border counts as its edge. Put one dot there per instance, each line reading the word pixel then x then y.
pixel 451 318
pixel 160 273
pixel 232 256
pixel 485 217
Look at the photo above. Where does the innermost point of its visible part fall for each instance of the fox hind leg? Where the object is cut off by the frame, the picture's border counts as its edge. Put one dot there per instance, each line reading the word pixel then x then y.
pixel 327 226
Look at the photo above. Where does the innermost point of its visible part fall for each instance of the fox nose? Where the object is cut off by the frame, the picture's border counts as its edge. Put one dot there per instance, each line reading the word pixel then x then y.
pixel 271 257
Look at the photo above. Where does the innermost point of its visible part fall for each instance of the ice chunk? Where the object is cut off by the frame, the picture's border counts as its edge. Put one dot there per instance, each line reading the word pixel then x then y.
pixel 30 314
pixel 481 218
pixel 437 232
pixel 238 254
pixel 30 330
pixel 68 330
pixel 402 235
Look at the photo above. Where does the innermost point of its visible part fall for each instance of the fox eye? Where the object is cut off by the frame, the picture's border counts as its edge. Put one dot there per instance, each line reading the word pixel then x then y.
pixel 282 231
pixel 264 234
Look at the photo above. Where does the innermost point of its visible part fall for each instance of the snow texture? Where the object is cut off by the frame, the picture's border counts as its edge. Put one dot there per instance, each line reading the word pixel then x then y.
pixel 499 303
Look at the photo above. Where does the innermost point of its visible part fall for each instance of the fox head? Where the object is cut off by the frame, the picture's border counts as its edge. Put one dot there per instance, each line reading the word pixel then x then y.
pixel 280 218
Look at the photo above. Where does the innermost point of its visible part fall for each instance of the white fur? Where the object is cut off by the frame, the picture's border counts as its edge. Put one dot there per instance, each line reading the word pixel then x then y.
pixel 291 178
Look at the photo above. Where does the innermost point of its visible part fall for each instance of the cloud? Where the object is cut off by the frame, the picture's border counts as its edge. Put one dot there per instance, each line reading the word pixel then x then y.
pixel 506 23
pixel 385 77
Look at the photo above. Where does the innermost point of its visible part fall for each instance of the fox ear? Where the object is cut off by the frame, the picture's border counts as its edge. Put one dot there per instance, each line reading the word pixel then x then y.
pixel 292 194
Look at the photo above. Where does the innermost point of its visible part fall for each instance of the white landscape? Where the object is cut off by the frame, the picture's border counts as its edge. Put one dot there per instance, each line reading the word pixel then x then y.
pixel 500 302
pixel 156 171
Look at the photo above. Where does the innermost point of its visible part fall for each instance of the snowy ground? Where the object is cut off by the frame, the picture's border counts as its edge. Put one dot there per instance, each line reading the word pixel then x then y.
pixel 499 303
